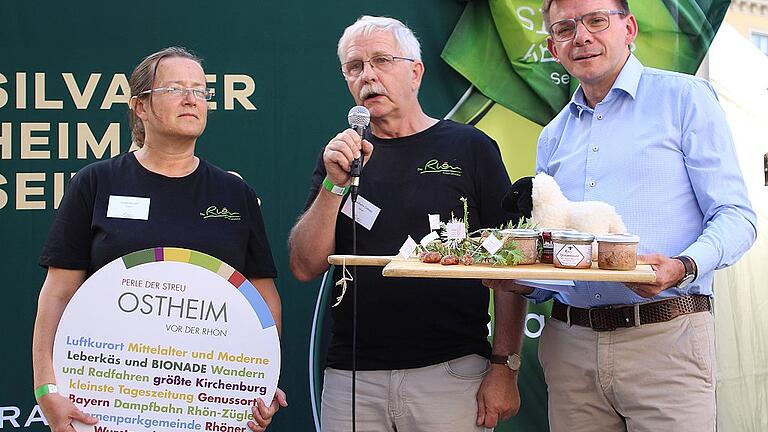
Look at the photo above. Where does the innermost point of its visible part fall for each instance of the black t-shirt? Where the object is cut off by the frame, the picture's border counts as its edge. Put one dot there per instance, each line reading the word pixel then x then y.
pixel 408 323
pixel 209 210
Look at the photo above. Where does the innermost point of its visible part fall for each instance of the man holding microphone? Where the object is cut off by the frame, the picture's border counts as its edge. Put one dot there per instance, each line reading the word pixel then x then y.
pixel 422 349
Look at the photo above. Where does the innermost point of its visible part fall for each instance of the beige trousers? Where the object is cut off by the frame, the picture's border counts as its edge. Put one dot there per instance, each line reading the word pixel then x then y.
pixel 657 377
pixel 438 398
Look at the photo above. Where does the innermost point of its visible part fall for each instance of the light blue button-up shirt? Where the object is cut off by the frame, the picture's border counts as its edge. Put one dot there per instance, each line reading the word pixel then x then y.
pixel 658 148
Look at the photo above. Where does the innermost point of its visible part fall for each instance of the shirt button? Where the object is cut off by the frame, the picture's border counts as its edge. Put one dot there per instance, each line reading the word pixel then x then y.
pixel 599 116
pixel 597 296
pixel 592 184
pixel 595 148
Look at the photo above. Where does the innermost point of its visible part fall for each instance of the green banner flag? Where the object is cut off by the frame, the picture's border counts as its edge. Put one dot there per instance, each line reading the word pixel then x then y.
pixel 500 47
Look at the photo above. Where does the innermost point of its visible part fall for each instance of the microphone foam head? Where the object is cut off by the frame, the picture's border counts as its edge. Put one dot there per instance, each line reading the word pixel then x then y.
pixel 359 117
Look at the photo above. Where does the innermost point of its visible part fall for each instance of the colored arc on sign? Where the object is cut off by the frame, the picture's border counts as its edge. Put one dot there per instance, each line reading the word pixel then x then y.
pixel 234 277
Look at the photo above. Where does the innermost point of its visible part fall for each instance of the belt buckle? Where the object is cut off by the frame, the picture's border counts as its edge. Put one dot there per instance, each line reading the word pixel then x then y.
pixel 592 321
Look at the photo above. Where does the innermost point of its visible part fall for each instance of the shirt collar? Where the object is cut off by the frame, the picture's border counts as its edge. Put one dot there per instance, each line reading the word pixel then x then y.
pixel 627 81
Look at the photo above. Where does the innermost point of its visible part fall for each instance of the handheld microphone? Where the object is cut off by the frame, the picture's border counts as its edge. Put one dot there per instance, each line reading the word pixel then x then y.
pixel 358 119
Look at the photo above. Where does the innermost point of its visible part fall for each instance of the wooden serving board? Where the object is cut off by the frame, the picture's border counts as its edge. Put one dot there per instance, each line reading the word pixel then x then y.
pixel 398 267
pixel 418 269
pixel 361 260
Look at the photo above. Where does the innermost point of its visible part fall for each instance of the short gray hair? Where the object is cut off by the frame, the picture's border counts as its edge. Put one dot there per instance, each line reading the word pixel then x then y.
pixel 366 25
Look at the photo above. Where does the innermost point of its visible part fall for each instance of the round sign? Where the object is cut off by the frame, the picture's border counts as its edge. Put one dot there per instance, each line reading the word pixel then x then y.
pixel 167 339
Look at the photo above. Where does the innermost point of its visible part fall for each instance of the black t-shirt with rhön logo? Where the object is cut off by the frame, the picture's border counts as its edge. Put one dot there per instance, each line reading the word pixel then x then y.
pixel 209 210
pixel 409 323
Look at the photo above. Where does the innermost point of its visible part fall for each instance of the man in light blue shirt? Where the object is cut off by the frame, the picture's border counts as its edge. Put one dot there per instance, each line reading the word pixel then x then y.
pixel 656 145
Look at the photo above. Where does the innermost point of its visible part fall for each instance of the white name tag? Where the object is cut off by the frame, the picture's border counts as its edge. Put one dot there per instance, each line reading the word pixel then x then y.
pixel 365 211
pixel 434 222
pixel 127 207
pixel 406 250
pixel 428 238
pixel 492 244
pixel 456 231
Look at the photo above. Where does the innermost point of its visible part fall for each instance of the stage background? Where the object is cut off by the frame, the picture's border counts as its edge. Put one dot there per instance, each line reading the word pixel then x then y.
pixel 279 97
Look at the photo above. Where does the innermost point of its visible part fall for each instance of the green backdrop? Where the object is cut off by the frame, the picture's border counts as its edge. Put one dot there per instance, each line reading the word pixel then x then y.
pixel 279 98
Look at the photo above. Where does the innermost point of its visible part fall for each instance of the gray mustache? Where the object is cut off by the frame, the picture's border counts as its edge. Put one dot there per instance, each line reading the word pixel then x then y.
pixel 371 89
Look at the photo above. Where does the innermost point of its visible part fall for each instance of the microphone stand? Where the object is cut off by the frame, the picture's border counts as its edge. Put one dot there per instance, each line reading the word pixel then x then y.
pixel 357 167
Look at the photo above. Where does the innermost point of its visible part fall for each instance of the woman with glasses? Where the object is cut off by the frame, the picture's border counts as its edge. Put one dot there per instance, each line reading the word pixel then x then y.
pixel 161 195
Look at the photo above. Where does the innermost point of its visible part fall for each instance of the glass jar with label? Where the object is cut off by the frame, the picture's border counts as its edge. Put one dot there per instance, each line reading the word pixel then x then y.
pixel 617 251
pixel 527 241
pixel 545 243
pixel 572 250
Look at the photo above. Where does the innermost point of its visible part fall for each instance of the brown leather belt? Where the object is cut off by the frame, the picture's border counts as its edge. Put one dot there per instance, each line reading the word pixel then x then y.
pixel 612 317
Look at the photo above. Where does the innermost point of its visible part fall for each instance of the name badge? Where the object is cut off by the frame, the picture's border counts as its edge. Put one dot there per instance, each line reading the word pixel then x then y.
pixel 127 207
pixel 365 211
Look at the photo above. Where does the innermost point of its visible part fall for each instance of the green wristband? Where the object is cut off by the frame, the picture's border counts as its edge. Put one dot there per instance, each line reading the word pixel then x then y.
pixel 332 188
pixel 44 390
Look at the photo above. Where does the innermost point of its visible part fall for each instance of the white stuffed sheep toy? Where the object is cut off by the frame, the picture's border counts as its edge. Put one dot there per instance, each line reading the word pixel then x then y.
pixel 551 209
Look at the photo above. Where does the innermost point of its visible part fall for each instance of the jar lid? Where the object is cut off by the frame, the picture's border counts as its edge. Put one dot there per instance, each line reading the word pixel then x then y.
pixel 554 230
pixel 618 238
pixel 519 233
pixel 572 236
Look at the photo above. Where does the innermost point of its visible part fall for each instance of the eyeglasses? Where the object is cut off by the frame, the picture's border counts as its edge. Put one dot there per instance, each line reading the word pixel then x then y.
pixel 595 21
pixel 199 93
pixel 384 63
